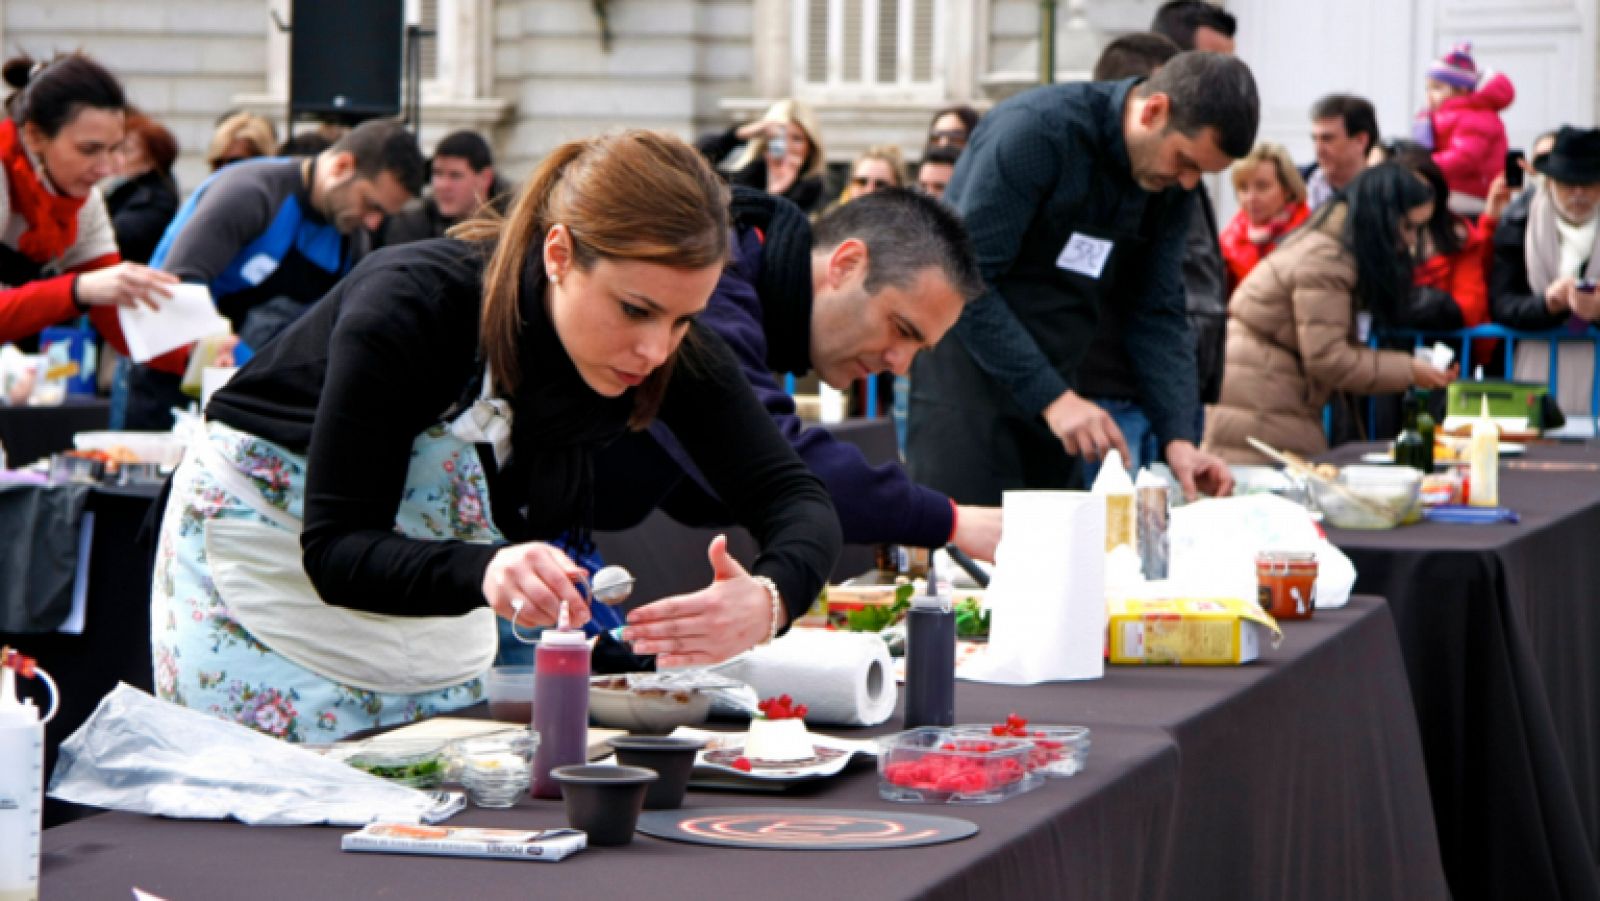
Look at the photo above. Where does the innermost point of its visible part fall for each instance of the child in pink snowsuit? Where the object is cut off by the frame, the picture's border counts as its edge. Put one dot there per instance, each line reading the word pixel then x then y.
pixel 1462 125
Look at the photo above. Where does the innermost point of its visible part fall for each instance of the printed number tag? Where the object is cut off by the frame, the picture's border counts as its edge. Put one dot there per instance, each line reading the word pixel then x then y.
pixel 1084 255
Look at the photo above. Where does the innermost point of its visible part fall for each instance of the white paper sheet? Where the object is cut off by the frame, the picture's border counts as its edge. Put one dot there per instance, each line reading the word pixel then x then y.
pixel 185 318
pixel 1048 593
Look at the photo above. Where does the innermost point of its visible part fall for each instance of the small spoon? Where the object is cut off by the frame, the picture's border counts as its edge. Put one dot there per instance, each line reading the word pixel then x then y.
pixel 612 585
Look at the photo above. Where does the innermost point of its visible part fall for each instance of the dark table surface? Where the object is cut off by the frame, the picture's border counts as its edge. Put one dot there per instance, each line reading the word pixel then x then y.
pixel 1500 630
pixel 29 433
pixel 1299 776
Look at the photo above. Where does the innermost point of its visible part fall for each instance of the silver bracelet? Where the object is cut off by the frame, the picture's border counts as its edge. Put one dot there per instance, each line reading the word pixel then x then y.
pixel 777 607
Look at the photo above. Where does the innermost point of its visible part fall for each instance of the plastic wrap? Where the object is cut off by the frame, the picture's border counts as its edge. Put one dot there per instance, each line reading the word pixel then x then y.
pixel 143 755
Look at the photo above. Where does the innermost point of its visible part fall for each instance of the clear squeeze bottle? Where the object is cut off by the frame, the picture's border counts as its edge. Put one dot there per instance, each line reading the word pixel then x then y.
pixel 930 659
pixel 21 780
pixel 560 704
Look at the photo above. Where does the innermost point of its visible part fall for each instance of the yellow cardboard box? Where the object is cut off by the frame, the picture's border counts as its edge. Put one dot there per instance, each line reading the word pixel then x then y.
pixel 1187 631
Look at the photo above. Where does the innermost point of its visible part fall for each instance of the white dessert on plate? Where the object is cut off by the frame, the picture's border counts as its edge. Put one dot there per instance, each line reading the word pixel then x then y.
pixel 780 739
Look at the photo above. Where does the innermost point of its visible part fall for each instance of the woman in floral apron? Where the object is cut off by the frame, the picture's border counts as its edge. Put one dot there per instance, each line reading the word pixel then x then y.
pixel 381 482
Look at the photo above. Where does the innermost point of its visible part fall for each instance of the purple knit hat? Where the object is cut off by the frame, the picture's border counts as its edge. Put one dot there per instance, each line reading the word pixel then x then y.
pixel 1456 68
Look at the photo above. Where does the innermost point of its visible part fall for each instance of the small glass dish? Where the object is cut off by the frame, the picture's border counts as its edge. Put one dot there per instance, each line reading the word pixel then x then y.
pixel 495 769
pixel 934 765
pixel 1058 751
pixel 413 763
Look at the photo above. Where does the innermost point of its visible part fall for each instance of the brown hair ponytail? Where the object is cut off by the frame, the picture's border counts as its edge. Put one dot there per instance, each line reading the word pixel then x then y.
pixel 633 195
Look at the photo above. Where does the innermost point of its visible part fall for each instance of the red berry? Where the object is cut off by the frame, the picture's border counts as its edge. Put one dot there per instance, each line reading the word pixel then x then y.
pixel 742 764
pixel 997 730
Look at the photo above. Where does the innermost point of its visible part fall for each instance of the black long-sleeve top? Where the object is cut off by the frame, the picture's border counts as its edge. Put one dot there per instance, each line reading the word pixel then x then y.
pixel 394 347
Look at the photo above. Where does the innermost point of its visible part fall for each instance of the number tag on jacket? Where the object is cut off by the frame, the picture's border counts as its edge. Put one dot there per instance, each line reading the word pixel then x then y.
pixel 1084 255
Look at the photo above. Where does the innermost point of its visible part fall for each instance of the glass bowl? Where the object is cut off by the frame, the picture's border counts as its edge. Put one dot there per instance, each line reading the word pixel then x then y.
pixel 1058 751
pixel 416 763
pixel 1370 497
pixel 496 769
pixel 934 765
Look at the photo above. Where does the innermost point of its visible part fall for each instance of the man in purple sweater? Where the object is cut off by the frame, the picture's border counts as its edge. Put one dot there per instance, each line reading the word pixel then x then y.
pixel 874 282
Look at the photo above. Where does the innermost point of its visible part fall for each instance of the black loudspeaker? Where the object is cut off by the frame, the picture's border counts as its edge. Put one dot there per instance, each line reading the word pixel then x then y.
pixel 345 58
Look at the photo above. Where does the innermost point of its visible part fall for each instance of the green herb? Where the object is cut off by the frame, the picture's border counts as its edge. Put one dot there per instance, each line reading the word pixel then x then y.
pixel 422 769
pixel 972 621
pixel 878 618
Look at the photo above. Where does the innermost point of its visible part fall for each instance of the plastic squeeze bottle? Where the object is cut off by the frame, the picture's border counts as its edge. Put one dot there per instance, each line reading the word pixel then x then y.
pixel 1113 483
pixel 21 783
pixel 1485 458
pixel 560 704
pixel 930 658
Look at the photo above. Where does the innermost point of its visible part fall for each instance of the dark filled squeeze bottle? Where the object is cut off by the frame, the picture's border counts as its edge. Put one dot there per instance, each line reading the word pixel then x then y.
pixel 560 704
pixel 930 659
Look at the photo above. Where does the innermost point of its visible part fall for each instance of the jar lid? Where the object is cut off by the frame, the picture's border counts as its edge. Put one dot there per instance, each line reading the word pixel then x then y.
pixel 1286 557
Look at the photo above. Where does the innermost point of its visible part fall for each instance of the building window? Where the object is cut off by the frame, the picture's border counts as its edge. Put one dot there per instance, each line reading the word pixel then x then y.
pixel 883 50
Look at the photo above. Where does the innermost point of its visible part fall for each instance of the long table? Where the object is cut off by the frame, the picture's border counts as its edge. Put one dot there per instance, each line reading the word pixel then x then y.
pixel 1299 776
pixel 1500 629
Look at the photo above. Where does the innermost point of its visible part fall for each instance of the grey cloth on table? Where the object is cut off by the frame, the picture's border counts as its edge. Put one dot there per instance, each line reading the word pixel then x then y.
pixel 36 574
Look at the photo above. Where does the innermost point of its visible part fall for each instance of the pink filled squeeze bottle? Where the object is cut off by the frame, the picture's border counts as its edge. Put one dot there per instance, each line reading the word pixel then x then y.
pixel 560 705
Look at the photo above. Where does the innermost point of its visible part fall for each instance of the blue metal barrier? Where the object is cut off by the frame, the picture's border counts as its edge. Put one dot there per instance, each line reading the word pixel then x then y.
pixel 1510 336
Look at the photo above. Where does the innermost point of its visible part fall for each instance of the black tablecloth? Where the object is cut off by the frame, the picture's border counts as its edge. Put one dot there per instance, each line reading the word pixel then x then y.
pixel 29 433
pixel 1500 631
pixel 115 644
pixel 1296 777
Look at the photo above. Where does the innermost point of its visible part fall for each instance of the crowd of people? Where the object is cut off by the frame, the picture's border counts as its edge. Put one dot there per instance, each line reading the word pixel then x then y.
pixel 449 381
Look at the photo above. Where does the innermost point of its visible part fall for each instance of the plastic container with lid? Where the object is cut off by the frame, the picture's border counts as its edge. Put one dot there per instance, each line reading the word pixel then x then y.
pixel 944 766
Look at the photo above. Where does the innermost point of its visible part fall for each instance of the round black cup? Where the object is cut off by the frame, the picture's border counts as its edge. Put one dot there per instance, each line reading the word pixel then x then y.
pixel 671 758
pixel 604 801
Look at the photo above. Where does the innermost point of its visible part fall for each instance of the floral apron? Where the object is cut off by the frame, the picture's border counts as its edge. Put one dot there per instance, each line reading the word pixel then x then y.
pixel 206 659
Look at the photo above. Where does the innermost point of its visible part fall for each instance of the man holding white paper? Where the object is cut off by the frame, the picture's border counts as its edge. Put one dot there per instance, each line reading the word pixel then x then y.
pixel 268 238
pixel 1078 200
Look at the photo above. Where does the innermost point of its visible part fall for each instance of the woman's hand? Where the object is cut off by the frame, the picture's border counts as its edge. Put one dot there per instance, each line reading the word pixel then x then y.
pixel 1558 297
pixel 707 626
pixel 978 531
pixel 537 577
pixel 125 285
pixel 751 130
pixel 1423 375
pixel 225 348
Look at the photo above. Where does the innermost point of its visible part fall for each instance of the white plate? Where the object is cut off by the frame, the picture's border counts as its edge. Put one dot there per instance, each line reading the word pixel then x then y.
pixel 710 771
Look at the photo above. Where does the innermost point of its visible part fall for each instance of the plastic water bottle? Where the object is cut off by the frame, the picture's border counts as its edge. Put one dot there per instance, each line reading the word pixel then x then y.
pixel 21 780
pixel 930 658
pixel 560 705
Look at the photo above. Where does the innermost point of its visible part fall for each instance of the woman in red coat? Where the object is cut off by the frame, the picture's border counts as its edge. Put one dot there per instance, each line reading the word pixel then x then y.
pixel 58 253
pixel 1272 203
pixel 1453 255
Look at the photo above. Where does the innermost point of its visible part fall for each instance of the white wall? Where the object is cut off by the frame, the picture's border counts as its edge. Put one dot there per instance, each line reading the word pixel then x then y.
pixel 182 61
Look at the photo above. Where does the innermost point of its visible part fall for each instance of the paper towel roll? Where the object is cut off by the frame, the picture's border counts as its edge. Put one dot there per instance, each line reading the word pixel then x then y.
pixel 843 678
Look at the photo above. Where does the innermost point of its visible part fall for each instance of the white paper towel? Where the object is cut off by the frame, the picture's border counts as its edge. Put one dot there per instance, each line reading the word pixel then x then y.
pixel 1048 593
pixel 843 678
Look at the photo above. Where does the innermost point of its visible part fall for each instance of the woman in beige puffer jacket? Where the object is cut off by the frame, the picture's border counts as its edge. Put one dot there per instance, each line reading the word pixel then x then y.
pixel 1292 339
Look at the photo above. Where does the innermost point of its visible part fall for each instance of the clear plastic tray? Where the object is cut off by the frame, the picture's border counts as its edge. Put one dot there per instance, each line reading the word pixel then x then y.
pixel 1058 751
pixel 934 765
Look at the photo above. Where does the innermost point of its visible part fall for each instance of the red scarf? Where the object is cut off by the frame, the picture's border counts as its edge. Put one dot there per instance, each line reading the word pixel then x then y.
pixel 52 218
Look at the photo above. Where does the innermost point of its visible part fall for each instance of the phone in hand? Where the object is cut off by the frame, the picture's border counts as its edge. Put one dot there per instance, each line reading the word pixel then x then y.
pixel 1514 171
pixel 778 147
pixel 1586 286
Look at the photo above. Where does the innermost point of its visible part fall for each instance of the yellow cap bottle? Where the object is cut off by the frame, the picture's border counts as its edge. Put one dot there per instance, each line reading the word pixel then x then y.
pixel 1485 458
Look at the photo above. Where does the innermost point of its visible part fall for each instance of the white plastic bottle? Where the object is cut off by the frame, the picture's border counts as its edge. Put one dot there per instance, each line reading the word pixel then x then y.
pixel 1485 459
pixel 1114 484
pixel 21 786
